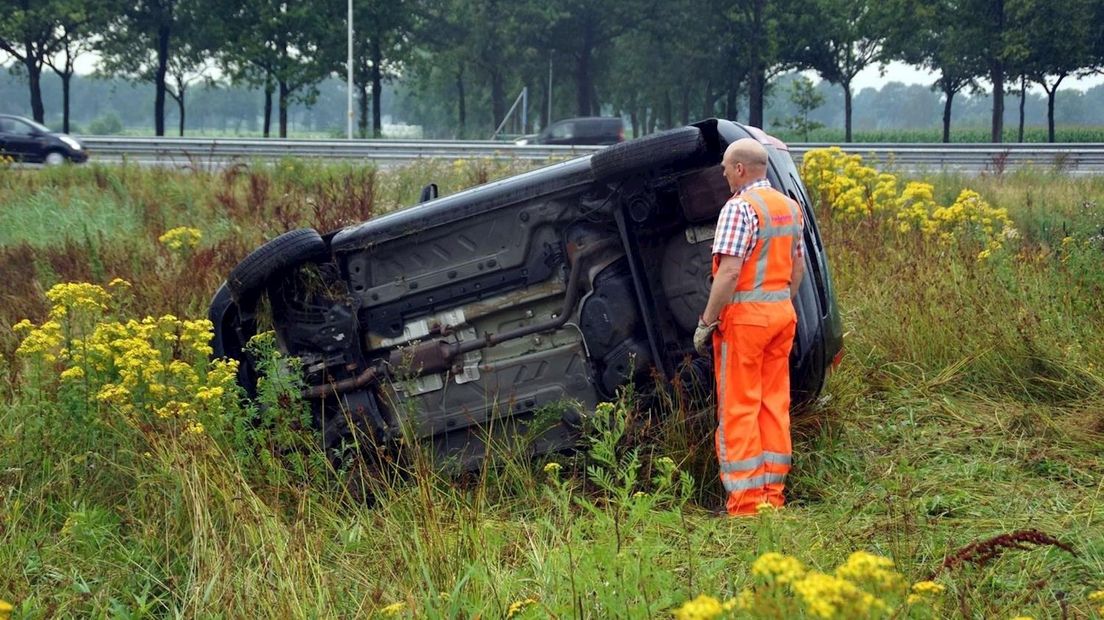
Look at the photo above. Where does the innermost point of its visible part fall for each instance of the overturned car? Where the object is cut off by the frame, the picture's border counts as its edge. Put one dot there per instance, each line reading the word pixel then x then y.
pixel 477 314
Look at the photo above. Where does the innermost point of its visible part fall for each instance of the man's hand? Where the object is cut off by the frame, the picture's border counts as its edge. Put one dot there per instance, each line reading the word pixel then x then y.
pixel 703 337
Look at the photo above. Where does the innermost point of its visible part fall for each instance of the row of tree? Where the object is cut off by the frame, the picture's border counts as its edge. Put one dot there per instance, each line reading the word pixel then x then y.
pixel 658 62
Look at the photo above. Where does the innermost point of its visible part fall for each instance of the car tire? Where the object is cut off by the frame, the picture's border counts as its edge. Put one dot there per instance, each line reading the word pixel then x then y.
pixel 273 259
pixel 55 158
pixel 667 149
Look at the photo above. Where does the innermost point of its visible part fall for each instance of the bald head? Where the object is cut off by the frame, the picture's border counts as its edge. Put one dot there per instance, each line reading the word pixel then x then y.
pixel 748 152
pixel 744 161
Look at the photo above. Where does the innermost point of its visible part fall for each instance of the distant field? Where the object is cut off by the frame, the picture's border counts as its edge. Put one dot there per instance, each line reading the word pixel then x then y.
pixel 969 134
pixel 970 404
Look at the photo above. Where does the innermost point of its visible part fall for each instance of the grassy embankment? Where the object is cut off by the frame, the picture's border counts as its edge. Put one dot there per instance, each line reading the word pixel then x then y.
pixel 969 405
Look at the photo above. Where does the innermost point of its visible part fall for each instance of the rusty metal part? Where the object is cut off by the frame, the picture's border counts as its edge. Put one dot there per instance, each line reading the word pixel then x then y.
pixel 437 356
pixel 318 392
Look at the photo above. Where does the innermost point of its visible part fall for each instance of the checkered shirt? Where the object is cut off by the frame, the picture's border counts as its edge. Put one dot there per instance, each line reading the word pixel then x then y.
pixel 738 226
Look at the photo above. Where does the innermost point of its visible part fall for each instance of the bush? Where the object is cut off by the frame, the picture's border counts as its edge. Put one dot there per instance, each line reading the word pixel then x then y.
pixel 108 125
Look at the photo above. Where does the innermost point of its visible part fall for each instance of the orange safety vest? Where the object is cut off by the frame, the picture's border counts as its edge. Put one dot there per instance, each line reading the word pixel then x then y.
pixel 765 275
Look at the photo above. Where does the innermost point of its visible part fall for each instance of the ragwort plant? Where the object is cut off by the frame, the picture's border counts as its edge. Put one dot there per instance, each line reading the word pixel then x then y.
pixel 855 192
pixel 153 374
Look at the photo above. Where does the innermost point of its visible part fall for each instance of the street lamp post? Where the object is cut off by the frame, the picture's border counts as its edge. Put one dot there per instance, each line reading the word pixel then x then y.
pixel 349 101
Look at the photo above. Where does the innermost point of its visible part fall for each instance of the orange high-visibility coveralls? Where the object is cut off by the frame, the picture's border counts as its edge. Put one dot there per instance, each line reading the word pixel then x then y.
pixel 751 350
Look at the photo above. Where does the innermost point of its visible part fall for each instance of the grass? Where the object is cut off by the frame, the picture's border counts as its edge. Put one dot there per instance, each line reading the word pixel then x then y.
pixel 968 406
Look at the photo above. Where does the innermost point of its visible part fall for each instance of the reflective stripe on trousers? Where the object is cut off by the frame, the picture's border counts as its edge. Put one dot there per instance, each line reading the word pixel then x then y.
pixel 752 347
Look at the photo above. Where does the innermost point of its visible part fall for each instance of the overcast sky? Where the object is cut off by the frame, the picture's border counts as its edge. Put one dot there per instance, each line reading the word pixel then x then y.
pixel 900 72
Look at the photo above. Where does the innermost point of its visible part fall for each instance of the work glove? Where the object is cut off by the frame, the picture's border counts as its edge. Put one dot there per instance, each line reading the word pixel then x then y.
pixel 703 337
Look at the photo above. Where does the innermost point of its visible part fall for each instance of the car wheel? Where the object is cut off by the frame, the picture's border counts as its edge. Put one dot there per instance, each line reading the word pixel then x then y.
pixel 272 260
pixel 663 149
pixel 55 158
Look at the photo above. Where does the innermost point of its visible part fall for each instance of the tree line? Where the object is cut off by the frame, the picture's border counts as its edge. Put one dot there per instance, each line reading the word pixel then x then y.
pixel 461 62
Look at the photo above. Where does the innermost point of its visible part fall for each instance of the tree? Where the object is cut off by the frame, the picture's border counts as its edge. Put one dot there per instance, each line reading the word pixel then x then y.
pixel 668 68
pixel 754 41
pixel 583 31
pixel 142 40
pixel 185 68
pixel 286 47
pixel 382 42
pixel 30 33
pixel 934 34
pixel 762 39
pixel 848 40
pixel 1057 44
pixel 75 29
pixel 991 32
pixel 803 94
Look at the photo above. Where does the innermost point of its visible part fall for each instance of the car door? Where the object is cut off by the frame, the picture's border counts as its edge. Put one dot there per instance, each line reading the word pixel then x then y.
pixel 3 136
pixel 23 142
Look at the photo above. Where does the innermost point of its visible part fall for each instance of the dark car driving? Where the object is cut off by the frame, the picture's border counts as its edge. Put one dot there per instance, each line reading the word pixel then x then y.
pixel 27 141
pixel 489 310
pixel 593 130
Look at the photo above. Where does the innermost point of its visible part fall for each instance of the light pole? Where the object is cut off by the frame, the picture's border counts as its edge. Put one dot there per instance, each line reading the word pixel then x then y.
pixel 349 101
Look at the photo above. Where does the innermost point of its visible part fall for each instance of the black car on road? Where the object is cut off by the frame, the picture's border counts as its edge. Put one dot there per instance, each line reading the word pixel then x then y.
pixel 516 306
pixel 594 130
pixel 27 141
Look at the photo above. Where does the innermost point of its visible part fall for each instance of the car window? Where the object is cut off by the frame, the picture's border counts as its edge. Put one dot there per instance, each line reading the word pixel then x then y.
pixel 18 128
pixel 564 131
pixel 5 125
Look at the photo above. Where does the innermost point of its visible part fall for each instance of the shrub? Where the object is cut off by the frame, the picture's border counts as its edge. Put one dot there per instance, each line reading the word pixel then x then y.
pixel 107 125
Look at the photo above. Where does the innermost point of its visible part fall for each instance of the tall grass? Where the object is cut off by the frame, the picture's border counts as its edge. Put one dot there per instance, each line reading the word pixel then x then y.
pixel 969 405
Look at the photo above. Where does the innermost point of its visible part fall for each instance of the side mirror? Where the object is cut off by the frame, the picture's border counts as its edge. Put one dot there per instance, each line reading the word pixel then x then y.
pixel 429 192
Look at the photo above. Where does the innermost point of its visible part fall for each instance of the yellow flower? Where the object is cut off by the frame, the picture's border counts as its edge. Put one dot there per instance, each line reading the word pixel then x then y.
pixel 1097 597
pixel 863 567
pixel 827 596
pixel 72 374
pixel 393 609
pixel 744 601
pixel 195 428
pixel 119 282
pixel 778 568
pixel 764 507
pixel 181 238
pixel 69 297
pixel 210 394
pixel 552 469
pixel 704 607
pixel 928 587
pixel 23 326
pixel 5 609
pixel 519 606
pixel 1023 618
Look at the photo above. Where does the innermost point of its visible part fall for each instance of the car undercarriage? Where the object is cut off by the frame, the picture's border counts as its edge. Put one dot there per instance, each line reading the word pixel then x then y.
pixel 515 307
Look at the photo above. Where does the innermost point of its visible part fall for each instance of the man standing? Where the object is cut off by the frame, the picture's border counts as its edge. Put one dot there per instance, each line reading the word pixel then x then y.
pixel 749 323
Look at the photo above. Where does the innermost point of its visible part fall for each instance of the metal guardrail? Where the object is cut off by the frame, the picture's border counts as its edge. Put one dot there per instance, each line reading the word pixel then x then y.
pixel 1079 158
pixel 192 151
